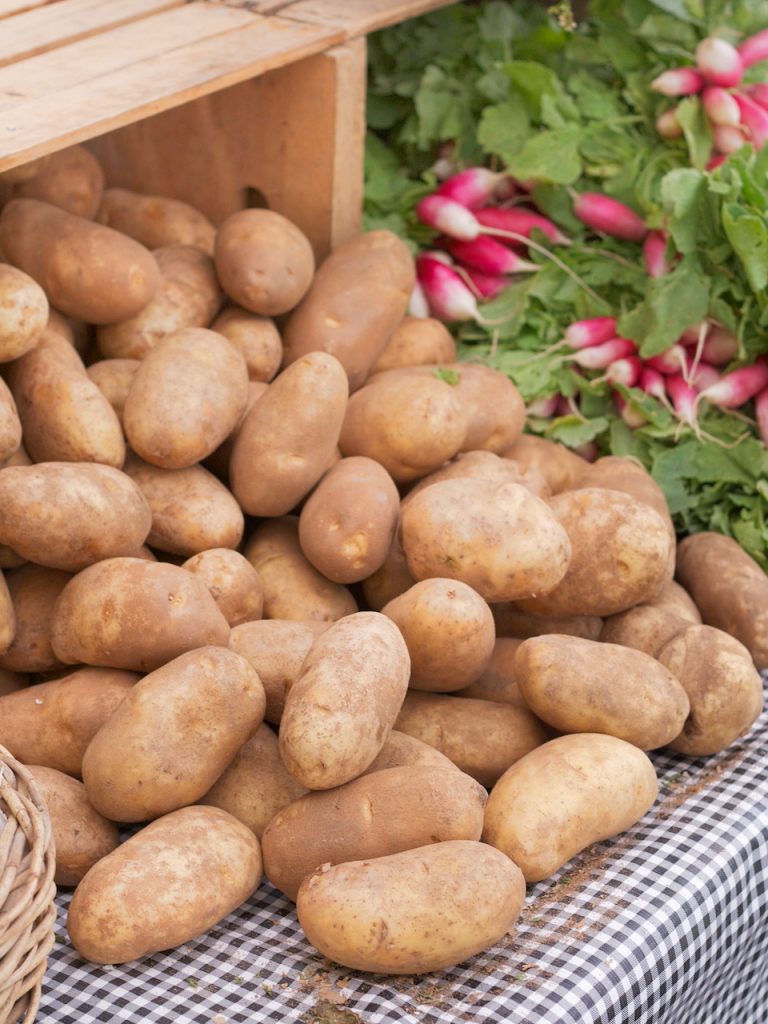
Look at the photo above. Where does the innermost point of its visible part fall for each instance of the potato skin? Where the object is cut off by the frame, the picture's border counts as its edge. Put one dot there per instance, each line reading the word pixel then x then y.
pixel 81 836
pixel 52 723
pixel 7 616
pixel 499 538
pixel 343 705
pixel 69 515
pixel 495 407
pixel 724 688
pixel 436 906
pixel 88 272
pixel 400 749
pixel 560 466
pixel 676 600
pixel 482 737
pixel 378 814
pixel 233 582
pixel 257 337
pixel 566 795
pixel 417 341
pixel 481 465
pixel 156 221
pixel 113 377
pixel 10 424
pixel 391 579
pixel 511 622
pixel 643 627
pixel 23 312
pixel 620 554
pixel 449 631
pixel 146 895
pixel 34 590
pixel 72 179
pixel 584 686
pixel 174 734
pixel 133 614
pixel 498 681
pixel 186 397
pixel 729 589
pixel 346 525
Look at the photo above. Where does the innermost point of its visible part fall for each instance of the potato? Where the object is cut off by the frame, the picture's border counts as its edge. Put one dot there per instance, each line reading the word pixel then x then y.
pixel 674 599
pixel 342 706
pixel 417 341
pixel 511 622
pixel 643 627
pixel 113 377
pixel 482 737
pixel 728 587
pixel 188 295
pixel 500 539
pixel 34 590
pixel 390 580
pixel 17 175
pixel 357 298
pixel 156 221
pixel 233 582
pixel 257 337
pixel 10 425
pixel 147 895
pixel 410 424
pixel 346 525
pixel 620 554
pixel 256 785
pixel 65 416
pixel 560 466
pixel 218 461
pixel 10 682
pixel 495 407
pixel 448 629
pixel 173 735
pixel 186 398
pixel 378 814
pixel 412 912
pixel 72 179
pixel 68 515
pixel 481 465
pixel 276 649
pixel 191 510
pixel 566 795
pixel 400 750
pixel 133 614
pixel 286 441
pixel 81 836
pixel 52 723
pixel 87 271
pixel 7 616
pixel 498 680
pixel 580 685
pixel 293 588
pixel 23 312
pixel 723 686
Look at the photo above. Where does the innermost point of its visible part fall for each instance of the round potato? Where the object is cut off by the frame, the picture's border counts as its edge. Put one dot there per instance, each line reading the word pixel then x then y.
pixel 341 708
pixel 560 466
pixel 133 614
pixel 566 795
pixel 72 179
pixel 146 895
pixel 357 298
pixel 675 600
pixel 186 397
pixel 498 681
pixel 10 425
pixel 23 312
pixel 481 465
pixel 7 616
pixel 34 590
pixel 643 627
pixel 417 341
pixel 113 377
pixel 233 582
pixel 412 912
pixel 257 337
pixel 156 221
pixel 449 631
pixel 500 539
pixel 390 580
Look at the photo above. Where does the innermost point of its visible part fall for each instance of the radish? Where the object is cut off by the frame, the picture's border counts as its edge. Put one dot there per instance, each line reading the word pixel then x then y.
pixel 487 286
pixel 719 62
pixel 448 297
pixel 600 357
pixel 448 216
pixel 678 82
pixel 655 254
pixel 542 408
pixel 759 93
pixel 417 304
pixel 608 215
pixel 761 414
pixel 719 347
pixel 629 414
pixel 472 188
pixel 703 376
pixel 518 221
pixel 728 138
pixel 754 49
pixel 652 383
pixel 715 161
pixel 673 360
pixel 720 106
pixel 754 118
pixel 624 371
pixel 736 388
pixel 584 333
pixel 587 451
pixel 683 397
pixel 488 255
pixel 667 124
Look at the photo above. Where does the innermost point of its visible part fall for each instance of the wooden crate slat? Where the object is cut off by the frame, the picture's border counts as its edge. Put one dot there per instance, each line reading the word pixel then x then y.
pixel 54 118
pixel 64 22
pixel 10 7
pixel 359 17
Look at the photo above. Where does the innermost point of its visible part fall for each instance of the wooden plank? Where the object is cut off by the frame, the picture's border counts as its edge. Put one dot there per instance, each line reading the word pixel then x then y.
pixel 55 117
pixel 69 20
pixel 10 7
pixel 359 17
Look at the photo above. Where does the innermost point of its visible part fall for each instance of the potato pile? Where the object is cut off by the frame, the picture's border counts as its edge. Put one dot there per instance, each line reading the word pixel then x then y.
pixel 287 590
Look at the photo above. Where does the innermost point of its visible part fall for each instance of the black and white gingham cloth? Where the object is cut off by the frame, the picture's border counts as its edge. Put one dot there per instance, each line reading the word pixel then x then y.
pixel 667 924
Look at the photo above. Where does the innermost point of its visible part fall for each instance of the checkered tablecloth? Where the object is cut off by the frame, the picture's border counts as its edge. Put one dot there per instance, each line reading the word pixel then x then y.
pixel 668 924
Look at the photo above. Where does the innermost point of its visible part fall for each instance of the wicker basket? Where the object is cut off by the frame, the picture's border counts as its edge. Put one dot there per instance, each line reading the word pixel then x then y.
pixel 27 890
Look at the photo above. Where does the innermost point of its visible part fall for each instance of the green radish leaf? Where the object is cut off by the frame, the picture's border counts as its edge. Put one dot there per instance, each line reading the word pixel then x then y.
pixel 550 156
pixel 504 129
pixel 695 125
pixel 747 232
pixel 672 303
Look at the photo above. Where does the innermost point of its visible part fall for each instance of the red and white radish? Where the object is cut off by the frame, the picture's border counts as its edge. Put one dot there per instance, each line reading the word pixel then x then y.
pixel 678 82
pixel 608 215
pixel 719 62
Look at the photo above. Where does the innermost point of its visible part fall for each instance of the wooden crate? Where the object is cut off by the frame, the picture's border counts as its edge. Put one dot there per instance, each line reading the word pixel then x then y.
pixel 223 103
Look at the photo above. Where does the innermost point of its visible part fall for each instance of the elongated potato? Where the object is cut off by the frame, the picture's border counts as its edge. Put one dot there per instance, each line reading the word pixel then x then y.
pixel 185 398
pixel 448 629
pixel 586 686
pixel 10 425
pixel 10 682
pixel 113 377
pixel 676 600
pixel 286 441
pixel 378 814
pixel 391 579
pixel 412 912
pixel 218 461
pixel 156 221
pixel 341 708
pixel 34 590
pixel 357 298
pixel 68 515
pixel 346 525
pixel 7 616
pixel 482 737
pixel 52 723
pixel 146 895
pixel 173 735
pixel 417 341
pixel 500 539
pixel 729 589
pixel 23 312
pixel 133 614
pixel 72 179
pixel 560 466
pixel 87 271
pixel 643 627
pixel 257 337
pixel 566 795
pixel 510 621
pixel 498 681
pixel 481 465
pixel 81 836
pixel 400 750
pixel 233 582
pixel 293 588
